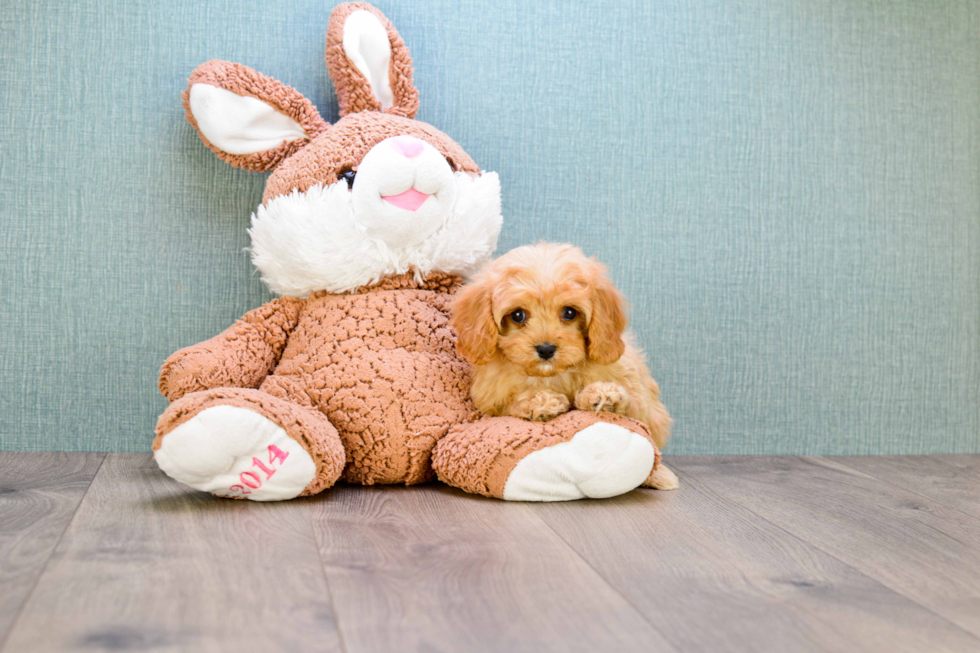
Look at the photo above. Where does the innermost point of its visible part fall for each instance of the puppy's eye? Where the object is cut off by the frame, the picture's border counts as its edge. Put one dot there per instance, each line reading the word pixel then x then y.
pixel 518 316
pixel 348 176
pixel 568 313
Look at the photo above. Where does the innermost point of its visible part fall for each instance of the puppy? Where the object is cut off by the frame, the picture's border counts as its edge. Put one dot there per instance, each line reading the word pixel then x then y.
pixel 544 328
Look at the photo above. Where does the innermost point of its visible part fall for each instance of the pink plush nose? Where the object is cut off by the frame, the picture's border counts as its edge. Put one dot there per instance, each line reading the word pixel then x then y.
pixel 408 146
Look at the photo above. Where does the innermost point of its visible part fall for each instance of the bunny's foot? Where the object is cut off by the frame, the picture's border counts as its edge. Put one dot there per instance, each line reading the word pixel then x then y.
pixel 574 456
pixel 246 444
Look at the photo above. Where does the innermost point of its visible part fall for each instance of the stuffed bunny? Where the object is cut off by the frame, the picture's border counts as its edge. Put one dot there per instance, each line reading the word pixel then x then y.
pixel 365 228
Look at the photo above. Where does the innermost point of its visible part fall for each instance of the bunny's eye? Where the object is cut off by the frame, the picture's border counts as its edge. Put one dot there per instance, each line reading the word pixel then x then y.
pixel 518 316
pixel 568 313
pixel 348 176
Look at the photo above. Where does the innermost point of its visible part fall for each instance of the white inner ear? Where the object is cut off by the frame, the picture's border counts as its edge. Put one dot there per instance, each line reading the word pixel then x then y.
pixel 240 124
pixel 366 45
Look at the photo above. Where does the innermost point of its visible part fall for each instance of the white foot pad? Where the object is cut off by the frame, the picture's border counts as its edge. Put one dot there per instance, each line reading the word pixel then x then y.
pixel 235 452
pixel 601 460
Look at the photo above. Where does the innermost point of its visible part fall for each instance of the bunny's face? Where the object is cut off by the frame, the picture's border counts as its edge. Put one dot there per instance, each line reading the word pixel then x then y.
pixel 373 195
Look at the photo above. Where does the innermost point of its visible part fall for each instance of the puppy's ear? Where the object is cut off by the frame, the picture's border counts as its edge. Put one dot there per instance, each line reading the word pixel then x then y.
pixel 473 320
pixel 608 322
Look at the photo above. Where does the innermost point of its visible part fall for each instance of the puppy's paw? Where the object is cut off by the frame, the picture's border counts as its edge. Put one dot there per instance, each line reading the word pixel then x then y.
pixel 603 395
pixel 539 405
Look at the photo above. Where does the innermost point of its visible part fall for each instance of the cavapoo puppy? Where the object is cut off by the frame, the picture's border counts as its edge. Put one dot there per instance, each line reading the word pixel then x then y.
pixel 545 330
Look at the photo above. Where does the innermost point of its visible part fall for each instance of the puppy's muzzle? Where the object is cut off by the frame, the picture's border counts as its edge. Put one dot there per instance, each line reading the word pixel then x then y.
pixel 546 351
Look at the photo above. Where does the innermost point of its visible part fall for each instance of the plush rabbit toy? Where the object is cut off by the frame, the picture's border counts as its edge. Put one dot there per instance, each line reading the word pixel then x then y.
pixel 366 228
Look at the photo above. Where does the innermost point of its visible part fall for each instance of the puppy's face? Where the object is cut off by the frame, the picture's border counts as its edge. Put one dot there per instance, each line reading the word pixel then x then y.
pixel 542 327
pixel 544 308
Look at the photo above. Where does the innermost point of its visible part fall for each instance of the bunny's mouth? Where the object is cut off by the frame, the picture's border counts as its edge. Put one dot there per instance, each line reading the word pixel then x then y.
pixel 410 200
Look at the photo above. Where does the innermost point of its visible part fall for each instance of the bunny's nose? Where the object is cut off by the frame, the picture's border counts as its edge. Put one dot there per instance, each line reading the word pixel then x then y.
pixel 409 147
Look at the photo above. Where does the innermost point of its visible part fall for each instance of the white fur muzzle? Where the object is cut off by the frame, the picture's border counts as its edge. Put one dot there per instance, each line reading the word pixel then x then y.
pixel 313 240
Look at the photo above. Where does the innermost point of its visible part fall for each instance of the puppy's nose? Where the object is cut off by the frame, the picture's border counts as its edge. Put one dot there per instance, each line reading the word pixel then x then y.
pixel 408 147
pixel 545 351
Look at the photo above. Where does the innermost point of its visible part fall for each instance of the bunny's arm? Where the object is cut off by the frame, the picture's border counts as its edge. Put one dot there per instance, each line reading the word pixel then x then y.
pixel 241 356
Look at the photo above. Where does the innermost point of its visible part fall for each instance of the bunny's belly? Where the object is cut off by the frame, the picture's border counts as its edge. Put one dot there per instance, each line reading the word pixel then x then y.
pixel 388 377
pixel 390 409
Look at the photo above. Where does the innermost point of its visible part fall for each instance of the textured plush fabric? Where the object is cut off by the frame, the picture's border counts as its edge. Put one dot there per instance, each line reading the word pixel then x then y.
pixel 786 190
pixel 246 82
pixel 356 96
pixel 241 356
pixel 479 457
pixel 380 364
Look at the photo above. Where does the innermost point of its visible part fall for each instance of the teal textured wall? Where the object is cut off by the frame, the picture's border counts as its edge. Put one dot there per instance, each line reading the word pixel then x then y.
pixel 787 190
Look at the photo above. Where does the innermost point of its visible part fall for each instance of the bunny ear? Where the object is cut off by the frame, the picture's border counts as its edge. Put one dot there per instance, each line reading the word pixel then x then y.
pixel 369 62
pixel 249 120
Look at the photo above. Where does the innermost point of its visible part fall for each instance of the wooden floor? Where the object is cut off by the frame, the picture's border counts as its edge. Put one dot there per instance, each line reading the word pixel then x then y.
pixel 104 553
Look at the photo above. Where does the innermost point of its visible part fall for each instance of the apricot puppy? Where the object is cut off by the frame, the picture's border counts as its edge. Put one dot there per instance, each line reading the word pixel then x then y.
pixel 545 330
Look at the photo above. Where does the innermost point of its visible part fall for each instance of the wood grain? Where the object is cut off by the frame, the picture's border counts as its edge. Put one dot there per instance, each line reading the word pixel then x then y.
pixel 751 554
pixel 148 564
pixel 713 576
pixel 909 543
pixel 39 493
pixel 432 569
pixel 952 480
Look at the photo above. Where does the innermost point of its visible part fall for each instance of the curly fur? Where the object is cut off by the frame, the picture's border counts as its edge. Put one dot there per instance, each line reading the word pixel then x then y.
pixel 596 366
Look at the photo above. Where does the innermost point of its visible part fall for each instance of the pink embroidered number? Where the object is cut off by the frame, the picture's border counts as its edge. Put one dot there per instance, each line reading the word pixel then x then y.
pixel 256 482
pixel 258 463
pixel 275 453
pixel 252 480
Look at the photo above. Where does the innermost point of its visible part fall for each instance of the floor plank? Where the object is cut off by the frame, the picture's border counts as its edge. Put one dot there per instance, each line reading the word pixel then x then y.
pixel 39 493
pixel 951 480
pixel 714 577
pixel 148 564
pixel 761 554
pixel 432 569
pixel 913 545
pixel 967 462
